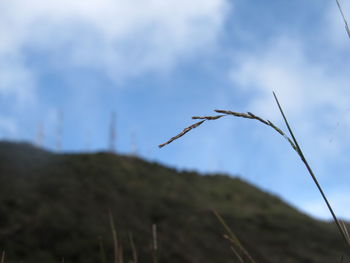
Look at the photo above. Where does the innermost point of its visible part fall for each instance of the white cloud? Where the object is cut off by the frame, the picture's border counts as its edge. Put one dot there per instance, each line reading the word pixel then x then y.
pixel 17 82
pixel 119 37
pixel 313 95
pixel 284 67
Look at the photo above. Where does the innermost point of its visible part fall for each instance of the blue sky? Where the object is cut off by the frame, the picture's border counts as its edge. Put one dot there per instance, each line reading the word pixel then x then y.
pixel 157 63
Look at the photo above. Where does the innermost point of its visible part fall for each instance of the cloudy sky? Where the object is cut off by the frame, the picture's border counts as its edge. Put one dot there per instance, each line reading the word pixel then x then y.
pixel 156 63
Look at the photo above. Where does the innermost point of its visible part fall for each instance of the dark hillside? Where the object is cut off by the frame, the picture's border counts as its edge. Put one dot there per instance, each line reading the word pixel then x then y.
pixel 56 206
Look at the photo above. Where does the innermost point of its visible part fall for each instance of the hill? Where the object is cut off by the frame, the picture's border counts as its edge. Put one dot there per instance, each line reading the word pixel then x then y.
pixel 55 206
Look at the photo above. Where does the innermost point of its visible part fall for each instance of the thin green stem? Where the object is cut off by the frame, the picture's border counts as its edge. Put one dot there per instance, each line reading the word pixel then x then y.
pixel 301 155
pixel 232 237
pixel 115 237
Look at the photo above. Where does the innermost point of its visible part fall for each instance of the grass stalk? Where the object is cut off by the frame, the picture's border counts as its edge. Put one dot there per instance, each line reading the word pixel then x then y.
pixel 343 16
pixel 133 248
pixel 292 141
pixel 236 244
pixel 342 228
pixel 102 250
pixel 238 256
pixel 120 253
pixel 115 237
pixel 186 130
pixel 155 243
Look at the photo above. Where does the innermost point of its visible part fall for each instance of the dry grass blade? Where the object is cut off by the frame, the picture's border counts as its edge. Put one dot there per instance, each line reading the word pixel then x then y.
pixel 233 239
pixel 293 142
pixel 155 243
pixel 102 250
pixel 133 248
pixel 238 256
pixel 209 118
pixel 237 114
pixel 186 130
pixel 258 118
pixel 224 113
pixel 345 229
pixel 115 238
pixel 120 254
pixel 3 257
pixel 343 16
pixel 252 116
pixel 308 167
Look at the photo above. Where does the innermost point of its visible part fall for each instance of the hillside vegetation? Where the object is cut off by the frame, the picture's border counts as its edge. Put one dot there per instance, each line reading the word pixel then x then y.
pixel 55 206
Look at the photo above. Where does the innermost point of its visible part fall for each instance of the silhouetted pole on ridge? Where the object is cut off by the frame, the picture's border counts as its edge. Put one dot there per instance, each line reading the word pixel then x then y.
pixel 112 134
pixel 40 135
pixel 59 130
pixel 134 148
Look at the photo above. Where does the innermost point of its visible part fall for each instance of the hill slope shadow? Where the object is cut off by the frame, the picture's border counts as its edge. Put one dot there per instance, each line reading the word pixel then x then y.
pixel 56 206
